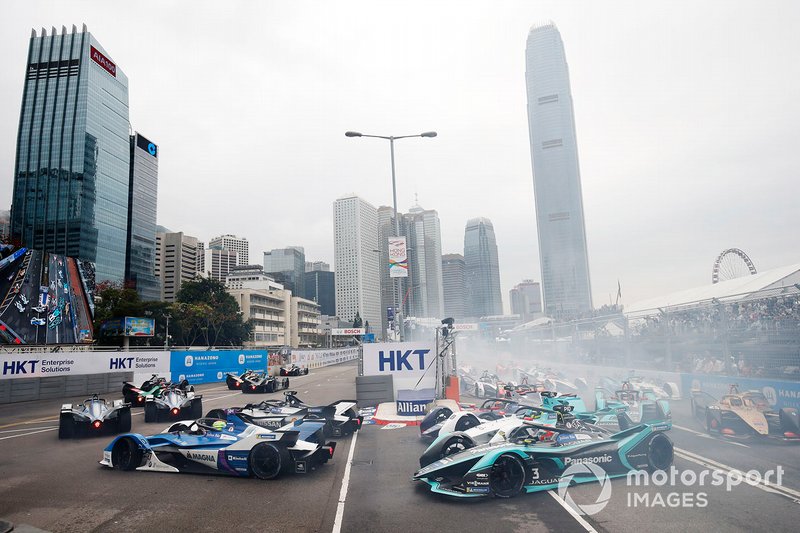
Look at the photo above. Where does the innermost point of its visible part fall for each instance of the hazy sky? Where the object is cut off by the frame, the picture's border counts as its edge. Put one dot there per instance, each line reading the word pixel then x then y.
pixel 687 119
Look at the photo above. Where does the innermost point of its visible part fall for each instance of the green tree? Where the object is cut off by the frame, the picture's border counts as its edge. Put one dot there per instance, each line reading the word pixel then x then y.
pixel 207 314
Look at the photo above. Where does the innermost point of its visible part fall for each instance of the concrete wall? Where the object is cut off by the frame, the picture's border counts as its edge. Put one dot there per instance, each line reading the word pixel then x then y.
pixel 28 389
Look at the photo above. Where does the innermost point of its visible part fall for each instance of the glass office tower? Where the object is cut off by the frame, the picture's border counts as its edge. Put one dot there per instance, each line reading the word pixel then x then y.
pixel 71 175
pixel 142 203
pixel 481 269
pixel 556 176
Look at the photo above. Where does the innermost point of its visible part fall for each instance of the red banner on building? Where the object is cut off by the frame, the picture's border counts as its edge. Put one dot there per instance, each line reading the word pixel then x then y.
pixel 103 61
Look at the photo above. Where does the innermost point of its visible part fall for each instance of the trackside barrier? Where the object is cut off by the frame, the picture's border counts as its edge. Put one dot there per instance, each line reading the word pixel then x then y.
pixel 779 393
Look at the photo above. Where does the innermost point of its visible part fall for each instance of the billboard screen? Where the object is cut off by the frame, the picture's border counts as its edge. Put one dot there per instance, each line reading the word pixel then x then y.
pixel 46 298
pixel 139 327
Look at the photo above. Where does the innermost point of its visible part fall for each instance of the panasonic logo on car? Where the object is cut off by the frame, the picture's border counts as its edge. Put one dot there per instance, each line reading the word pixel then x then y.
pixel 584 460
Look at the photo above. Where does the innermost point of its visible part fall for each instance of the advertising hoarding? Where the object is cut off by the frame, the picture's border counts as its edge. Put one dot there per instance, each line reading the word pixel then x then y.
pixel 46 364
pixel 338 332
pixel 407 362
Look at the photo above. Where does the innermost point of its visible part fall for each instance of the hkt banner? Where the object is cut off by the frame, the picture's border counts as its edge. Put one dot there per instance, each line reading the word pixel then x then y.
pixel 212 365
pixel 779 393
pixel 398 258
pixel 43 365
pixel 407 362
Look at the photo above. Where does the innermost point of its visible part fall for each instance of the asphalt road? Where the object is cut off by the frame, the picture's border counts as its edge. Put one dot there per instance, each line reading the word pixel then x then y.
pixel 59 486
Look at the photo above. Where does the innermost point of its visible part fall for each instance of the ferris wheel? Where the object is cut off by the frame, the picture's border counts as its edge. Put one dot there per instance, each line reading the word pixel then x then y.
pixel 732 263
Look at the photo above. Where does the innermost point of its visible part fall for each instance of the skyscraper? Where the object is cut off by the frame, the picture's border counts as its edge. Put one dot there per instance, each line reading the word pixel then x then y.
pixel 424 242
pixel 218 262
pixel 321 288
pixel 556 176
pixel 453 286
pixel 142 203
pixel 232 242
pixel 71 175
pixel 526 299
pixel 356 262
pixel 176 261
pixel 481 269
pixel 287 266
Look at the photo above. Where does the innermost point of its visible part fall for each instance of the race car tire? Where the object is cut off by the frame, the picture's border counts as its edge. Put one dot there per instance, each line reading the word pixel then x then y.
pixel 286 383
pixel 66 427
pixel 305 371
pixel 150 412
pixel 217 413
pixel 124 421
pixel 507 476
pixel 196 409
pixel 184 385
pixel 126 454
pixel 660 452
pixel 467 421
pixel 270 386
pixel 268 460
pixel 456 444
pixel 231 383
pixel 283 372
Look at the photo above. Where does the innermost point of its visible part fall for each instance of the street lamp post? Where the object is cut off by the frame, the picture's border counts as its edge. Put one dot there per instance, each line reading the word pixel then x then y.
pixel 391 139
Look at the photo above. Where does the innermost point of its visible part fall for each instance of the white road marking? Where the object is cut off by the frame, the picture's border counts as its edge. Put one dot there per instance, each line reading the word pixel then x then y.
pixel 707 436
pixel 578 518
pixel 26 429
pixel 337 522
pixel 26 434
pixel 766 486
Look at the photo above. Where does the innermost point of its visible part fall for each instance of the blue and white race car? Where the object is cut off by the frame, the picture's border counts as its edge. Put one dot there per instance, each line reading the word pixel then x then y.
pixel 214 446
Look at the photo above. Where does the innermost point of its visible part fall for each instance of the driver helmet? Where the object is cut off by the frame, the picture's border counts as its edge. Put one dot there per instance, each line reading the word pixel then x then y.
pixel 219 425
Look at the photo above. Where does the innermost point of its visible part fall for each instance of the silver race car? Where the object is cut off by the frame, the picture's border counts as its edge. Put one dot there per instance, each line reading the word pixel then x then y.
pixel 173 404
pixel 94 416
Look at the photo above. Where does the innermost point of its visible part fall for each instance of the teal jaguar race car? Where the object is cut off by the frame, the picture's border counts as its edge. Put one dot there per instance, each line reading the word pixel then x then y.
pixel 537 457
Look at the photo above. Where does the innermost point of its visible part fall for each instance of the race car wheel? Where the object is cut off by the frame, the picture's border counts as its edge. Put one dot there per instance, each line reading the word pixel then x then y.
pixel 126 454
pixel 150 412
pixel 267 460
pixel 455 445
pixel 124 421
pixel 270 386
pixel 231 383
pixel 305 371
pixel 467 421
pixel 286 383
pixel 507 476
pixel 66 427
pixel 217 413
pixel 659 452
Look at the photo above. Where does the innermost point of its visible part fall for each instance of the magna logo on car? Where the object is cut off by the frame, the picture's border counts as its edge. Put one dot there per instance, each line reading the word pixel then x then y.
pixel 202 457
pixel 585 460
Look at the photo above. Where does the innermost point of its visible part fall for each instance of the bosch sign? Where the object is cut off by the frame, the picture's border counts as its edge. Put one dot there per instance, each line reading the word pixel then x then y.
pixel 108 65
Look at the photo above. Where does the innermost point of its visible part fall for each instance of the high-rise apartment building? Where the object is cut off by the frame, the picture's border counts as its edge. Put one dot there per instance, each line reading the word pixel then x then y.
pixel 176 262
pixel 356 263
pixel 526 300
pixel 317 266
pixel 556 176
pixel 232 242
pixel 287 266
pixel 5 224
pixel 481 269
pixel 142 203
pixel 218 263
pixel 71 175
pixel 453 286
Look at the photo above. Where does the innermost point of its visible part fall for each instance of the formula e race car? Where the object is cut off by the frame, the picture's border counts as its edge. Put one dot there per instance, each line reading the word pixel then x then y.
pixel 443 417
pixel 173 404
pixel 340 418
pixel 153 387
pixel 746 414
pixel 213 446
pixel 293 370
pixel 234 381
pixel 94 416
pixel 486 386
pixel 648 387
pixel 537 456
pixel 259 382
pixel 639 404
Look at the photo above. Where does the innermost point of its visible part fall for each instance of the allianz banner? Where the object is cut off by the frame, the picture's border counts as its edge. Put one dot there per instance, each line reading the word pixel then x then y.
pixel 49 364
pixel 407 362
pixel 208 366
pixel 779 393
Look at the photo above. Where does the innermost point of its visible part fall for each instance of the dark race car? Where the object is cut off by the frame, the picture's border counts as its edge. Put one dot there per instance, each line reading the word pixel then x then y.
pixel 234 381
pixel 94 416
pixel 341 418
pixel 259 382
pixel 173 404
pixel 214 446
pixel 153 387
pixel 293 370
